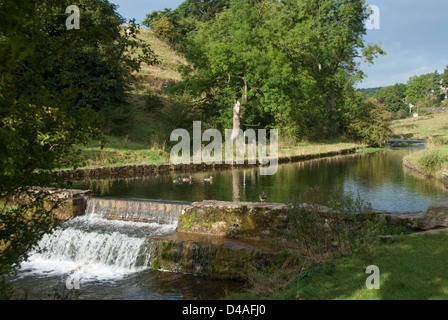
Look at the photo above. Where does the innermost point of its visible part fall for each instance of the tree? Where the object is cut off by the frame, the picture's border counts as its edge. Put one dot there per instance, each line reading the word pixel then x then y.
pixel 371 123
pixel 394 99
pixel 418 88
pixel 173 26
pixel 52 82
pixel 325 38
pixel 445 83
pixel 290 62
pixel 206 10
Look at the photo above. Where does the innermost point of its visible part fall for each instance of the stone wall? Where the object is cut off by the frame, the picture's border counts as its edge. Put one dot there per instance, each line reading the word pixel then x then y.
pixel 73 202
pixel 234 219
pixel 211 256
pixel 267 220
pixel 151 169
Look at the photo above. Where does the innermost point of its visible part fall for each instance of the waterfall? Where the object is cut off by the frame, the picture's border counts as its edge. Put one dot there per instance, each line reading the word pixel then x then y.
pixel 111 240
pixel 136 210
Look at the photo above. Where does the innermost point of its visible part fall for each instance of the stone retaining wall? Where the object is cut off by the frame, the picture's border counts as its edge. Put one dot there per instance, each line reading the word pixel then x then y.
pixel 211 256
pixel 151 169
pixel 234 219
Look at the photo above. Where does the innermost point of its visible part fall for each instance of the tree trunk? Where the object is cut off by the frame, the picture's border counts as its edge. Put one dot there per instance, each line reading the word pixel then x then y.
pixel 236 119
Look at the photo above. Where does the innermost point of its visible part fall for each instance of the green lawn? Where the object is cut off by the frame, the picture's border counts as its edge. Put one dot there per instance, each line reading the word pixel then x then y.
pixel 126 151
pixel 411 268
pixel 434 129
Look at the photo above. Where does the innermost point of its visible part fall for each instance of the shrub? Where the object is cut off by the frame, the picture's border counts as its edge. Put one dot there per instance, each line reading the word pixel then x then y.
pixel 328 226
pixel 433 161
pixel 371 123
pixel 152 101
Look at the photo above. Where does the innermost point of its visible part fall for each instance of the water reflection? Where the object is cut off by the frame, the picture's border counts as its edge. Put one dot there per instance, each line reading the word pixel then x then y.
pixel 145 285
pixel 379 179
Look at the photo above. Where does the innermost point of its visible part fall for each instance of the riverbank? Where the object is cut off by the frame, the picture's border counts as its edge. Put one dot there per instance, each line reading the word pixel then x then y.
pixel 308 152
pixel 122 151
pixel 410 269
pixel 433 160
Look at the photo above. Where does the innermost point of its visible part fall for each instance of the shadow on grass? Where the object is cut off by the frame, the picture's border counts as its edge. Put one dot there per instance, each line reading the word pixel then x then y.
pixel 411 268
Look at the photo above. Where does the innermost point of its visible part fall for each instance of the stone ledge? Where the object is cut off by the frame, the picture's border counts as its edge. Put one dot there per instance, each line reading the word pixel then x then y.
pixel 234 219
pixel 210 256
pixel 126 171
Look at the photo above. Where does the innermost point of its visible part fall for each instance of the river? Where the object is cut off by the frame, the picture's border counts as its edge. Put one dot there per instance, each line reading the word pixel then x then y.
pixel 78 247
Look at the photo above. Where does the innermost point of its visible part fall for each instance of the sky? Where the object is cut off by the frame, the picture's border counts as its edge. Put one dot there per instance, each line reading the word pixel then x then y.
pixel 414 33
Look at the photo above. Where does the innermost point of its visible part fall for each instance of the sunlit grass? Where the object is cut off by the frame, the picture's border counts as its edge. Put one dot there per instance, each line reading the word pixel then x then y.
pixel 434 129
pixel 411 268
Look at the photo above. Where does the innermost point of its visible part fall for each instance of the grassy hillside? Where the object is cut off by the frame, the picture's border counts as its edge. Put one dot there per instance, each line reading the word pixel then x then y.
pixel 169 61
pixel 434 129
pixel 145 142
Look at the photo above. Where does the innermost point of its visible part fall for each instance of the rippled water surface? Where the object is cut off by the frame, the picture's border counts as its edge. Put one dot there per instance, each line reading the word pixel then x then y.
pixel 378 178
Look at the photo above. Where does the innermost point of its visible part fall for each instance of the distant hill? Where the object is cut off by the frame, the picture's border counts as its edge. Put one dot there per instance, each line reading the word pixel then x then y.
pixel 368 91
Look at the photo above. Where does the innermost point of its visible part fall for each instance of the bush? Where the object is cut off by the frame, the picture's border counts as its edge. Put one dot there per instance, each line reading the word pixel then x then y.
pixel 432 161
pixel 152 101
pixel 328 227
pixel 371 123
pixel 177 114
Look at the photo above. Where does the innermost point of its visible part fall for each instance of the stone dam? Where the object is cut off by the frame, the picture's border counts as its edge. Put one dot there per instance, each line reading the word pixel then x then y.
pixel 216 239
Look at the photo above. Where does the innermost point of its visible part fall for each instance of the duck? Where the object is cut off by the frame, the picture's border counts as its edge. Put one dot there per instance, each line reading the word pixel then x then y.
pixel 262 197
pixel 189 179
pixel 209 179
pixel 177 181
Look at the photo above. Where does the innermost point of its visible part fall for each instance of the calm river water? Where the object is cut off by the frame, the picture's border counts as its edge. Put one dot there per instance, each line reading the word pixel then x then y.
pixel 378 178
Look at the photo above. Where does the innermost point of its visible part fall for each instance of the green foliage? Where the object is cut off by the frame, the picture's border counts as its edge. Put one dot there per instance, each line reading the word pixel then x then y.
pixel 432 161
pixel 55 84
pixel 176 113
pixel 290 64
pixel 152 101
pixel 173 26
pixel 371 123
pixel 342 227
pixel 394 99
pixel 418 88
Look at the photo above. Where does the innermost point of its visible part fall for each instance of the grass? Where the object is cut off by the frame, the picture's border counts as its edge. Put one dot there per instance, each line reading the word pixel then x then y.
pixel 120 151
pixel 143 143
pixel 433 128
pixel 422 128
pixel 126 151
pixel 287 149
pixel 169 60
pixel 411 268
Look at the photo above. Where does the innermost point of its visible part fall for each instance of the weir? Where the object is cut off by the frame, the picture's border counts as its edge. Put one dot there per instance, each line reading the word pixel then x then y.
pixel 116 237
pixel 113 237
pixel 139 210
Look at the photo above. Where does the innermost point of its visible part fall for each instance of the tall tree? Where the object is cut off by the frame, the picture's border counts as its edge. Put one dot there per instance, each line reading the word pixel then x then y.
pixel 293 59
pixel 52 82
pixel 325 38
pixel 394 99
pixel 419 88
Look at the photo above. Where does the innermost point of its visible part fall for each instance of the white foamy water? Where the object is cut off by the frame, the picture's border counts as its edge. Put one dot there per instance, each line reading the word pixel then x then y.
pixel 91 248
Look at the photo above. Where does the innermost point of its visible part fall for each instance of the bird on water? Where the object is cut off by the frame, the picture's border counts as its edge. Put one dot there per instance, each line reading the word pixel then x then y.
pixel 189 179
